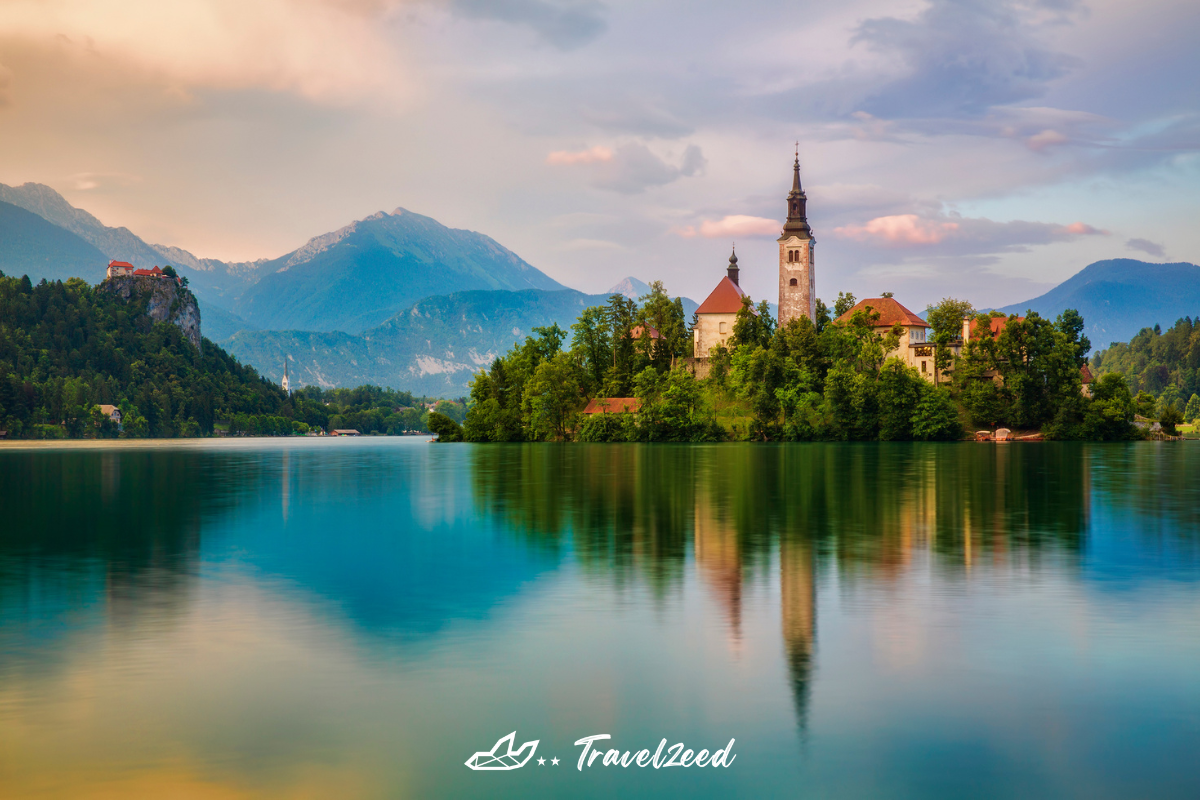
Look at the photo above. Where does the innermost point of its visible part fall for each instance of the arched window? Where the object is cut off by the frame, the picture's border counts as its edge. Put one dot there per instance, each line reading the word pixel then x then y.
pixel 792 282
pixel 721 327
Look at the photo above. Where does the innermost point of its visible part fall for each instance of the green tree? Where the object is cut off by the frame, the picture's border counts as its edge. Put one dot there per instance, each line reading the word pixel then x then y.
pixel 946 320
pixel 447 430
pixel 845 301
pixel 1192 411
pixel 552 398
pixel 1171 416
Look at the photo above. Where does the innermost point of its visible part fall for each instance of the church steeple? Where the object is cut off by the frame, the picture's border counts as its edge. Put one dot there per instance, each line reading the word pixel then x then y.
pixel 797 201
pixel 733 267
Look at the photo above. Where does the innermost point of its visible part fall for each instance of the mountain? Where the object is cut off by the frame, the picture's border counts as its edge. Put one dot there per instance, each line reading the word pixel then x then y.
pixel 432 348
pixel 29 245
pixel 215 281
pixel 357 277
pixel 631 287
pixel 1119 297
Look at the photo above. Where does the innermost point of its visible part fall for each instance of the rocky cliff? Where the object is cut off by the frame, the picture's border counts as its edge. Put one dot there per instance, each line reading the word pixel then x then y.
pixel 167 302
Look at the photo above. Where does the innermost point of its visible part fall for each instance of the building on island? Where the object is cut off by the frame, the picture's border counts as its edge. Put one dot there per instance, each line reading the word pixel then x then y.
pixel 797 282
pixel 915 349
pixel 286 383
pixel 797 274
pixel 718 312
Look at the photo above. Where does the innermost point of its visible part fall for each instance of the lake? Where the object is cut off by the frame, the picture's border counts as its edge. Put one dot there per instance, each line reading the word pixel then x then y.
pixel 357 617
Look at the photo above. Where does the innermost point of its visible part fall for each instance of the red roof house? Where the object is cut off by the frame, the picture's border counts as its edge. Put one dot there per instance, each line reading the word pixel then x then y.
pixel 890 312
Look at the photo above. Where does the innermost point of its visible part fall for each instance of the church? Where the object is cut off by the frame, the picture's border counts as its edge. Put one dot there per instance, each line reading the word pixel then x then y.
pixel 797 280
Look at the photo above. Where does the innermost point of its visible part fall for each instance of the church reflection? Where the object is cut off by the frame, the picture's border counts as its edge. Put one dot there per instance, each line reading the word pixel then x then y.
pixel 867 514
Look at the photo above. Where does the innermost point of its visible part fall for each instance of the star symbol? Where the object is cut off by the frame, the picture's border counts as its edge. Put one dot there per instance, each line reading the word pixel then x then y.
pixel 541 762
pixel 554 761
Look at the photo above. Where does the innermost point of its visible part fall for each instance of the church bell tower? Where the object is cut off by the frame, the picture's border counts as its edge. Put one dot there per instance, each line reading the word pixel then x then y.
pixel 797 276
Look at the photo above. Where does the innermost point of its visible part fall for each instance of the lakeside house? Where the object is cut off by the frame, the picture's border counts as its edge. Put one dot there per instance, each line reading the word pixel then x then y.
pixel 344 432
pixel 914 349
pixel 112 412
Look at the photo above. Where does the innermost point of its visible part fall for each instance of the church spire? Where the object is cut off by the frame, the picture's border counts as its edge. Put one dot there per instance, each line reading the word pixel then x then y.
pixel 797 201
pixel 733 266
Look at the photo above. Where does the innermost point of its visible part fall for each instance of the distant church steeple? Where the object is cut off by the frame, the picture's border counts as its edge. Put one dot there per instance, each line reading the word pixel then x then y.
pixel 797 277
pixel 287 385
pixel 733 267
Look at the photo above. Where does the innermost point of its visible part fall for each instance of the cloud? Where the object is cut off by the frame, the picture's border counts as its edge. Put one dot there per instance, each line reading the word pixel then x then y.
pixel 898 230
pixel 1146 246
pixel 592 155
pixel 320 49
pixel 1040 141
pixel 90 181
pixel 953 234
pixel 632 168
pixel 733 226
pixel 566 25
pixel 961 57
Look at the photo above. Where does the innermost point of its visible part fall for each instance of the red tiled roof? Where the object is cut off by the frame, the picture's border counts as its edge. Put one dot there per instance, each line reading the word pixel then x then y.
pixel 890 312
pixel 614 405
pixel 997 324
pixel 1086 374
pixel 636 332
pixel 120 264
pixel 725 299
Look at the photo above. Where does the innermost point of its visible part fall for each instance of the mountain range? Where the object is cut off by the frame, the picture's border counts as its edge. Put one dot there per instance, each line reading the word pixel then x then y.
pixel 401 300
pixel 1119 297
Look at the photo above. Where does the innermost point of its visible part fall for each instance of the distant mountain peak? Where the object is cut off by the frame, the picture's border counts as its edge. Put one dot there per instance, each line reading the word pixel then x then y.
pixel 630 287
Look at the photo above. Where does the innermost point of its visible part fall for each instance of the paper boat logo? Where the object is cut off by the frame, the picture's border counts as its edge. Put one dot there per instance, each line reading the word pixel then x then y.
pixel 502 756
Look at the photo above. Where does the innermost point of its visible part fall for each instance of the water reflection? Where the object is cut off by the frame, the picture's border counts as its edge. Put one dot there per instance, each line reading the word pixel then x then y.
pixel 299 574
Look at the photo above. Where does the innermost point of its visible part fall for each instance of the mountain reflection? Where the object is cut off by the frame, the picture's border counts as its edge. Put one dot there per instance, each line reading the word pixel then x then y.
pixel 628 512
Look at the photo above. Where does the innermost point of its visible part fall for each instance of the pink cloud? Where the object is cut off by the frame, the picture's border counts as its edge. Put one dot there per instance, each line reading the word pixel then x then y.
pixel 1040 141
pixel 733 226
pixel 953 233
pixel 593 155
pixel 899 230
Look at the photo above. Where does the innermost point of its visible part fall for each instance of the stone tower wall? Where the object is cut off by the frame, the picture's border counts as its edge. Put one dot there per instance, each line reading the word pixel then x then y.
pixel 799 300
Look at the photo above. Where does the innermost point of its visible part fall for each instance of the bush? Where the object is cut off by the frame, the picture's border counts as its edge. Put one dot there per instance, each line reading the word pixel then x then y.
pixel 447 430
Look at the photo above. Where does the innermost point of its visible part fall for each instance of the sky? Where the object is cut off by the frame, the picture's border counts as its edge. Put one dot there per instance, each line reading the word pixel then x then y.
pixel 979 149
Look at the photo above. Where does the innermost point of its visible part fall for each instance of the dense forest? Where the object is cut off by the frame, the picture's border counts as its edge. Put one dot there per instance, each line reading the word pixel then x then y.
pixel 67 348
pixel 807 381
pixel 1158 365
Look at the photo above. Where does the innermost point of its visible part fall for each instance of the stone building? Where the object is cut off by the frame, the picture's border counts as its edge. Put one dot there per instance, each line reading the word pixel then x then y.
pixel 915 348
pixel 797 274
pixel 718 312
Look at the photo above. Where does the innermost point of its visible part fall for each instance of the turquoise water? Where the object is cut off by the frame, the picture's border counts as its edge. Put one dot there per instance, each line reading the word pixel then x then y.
pixel 356 618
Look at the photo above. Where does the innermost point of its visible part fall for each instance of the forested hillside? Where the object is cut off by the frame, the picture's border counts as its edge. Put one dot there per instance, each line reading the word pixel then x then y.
pixel 66 348
pixel 1163 364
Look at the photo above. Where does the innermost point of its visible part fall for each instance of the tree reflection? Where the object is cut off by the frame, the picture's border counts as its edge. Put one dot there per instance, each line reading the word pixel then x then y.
pixel 863 510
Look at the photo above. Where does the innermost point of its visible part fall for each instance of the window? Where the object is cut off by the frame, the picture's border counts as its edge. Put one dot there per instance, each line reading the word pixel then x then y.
pixel 923 366
pixel 792 282
pixel 721 327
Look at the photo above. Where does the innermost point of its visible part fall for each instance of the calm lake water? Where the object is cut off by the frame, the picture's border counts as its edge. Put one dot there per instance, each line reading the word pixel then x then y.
pixel 355 618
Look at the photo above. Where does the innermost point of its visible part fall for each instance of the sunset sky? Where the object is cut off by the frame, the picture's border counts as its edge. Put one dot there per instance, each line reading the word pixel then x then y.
pixel 981 149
